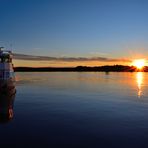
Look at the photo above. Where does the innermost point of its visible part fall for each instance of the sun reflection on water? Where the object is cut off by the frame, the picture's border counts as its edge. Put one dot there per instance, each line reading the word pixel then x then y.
pixel 139 77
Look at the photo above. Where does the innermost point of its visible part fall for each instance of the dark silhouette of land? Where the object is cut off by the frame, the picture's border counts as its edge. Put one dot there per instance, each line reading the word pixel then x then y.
pixel 114 68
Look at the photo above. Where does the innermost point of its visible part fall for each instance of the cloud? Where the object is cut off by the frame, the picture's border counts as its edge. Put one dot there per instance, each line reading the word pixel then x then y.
pixel 98 53
pixel 66 59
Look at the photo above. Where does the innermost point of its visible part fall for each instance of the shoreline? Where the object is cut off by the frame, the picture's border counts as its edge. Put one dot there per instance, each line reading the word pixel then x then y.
pixel 114 68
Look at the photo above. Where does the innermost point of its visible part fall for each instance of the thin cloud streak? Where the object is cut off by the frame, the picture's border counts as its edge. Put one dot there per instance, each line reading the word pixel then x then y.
pixel 66 59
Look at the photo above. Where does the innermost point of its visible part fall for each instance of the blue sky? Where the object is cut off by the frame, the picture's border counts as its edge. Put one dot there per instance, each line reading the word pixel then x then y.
pixel 108 28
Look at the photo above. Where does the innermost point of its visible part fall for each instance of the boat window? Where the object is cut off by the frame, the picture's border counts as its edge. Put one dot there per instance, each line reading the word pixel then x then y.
pixel 6 60
pixel 3 59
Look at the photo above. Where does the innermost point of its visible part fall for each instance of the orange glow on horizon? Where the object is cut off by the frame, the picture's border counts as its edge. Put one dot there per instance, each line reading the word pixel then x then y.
pixel 139 63
pixel 31 63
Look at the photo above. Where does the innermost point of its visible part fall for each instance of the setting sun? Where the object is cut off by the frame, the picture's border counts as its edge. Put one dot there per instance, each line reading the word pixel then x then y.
pixel 140 63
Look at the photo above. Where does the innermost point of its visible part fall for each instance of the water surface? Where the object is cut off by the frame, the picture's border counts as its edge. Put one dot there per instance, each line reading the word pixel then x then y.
pixel 78 109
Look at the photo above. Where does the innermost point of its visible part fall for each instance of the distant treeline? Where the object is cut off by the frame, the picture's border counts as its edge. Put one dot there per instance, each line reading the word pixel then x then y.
pixel 114 68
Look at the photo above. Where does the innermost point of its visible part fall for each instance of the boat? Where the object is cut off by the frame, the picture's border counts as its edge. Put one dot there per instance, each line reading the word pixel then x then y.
pixel 7 76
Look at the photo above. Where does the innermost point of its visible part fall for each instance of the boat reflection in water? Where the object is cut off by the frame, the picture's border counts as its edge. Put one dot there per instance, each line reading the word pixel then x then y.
pixel 7 97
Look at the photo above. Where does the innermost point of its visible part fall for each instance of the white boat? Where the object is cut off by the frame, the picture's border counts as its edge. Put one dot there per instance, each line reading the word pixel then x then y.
pixel 7 76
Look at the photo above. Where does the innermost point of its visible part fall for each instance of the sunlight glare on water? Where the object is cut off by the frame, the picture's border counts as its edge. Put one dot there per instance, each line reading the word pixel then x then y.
pixel 139 77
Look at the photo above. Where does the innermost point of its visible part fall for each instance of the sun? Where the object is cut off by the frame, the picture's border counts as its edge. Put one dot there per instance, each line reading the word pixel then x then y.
pixel 139 63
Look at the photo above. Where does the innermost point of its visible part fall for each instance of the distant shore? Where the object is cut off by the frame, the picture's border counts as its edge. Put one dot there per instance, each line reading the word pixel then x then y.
pixel 114 68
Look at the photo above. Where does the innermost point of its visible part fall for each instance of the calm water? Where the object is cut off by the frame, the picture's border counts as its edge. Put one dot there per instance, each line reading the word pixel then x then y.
pixel 78 110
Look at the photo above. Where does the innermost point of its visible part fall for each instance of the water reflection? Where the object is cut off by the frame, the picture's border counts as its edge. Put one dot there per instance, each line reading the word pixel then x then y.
pixel 7 97
pixel 139 77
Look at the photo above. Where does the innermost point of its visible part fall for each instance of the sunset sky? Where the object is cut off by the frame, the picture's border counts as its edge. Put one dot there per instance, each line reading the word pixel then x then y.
pixel 74 32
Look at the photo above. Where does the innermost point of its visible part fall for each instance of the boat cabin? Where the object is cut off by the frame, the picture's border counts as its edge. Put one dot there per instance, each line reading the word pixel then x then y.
pixel 5 57
pixel 6 66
